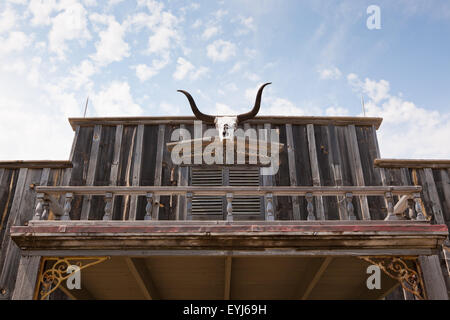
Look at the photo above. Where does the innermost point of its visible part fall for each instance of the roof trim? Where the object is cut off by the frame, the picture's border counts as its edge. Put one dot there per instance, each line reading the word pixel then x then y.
pixel 36 164
pixel 412 163
pixel 363 121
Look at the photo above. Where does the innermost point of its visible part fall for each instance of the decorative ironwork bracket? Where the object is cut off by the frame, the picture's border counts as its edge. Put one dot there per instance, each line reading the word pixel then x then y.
pixel 396 267
pixel 54 271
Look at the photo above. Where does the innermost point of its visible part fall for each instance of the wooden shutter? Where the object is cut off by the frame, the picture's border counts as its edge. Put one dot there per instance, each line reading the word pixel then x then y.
pixel 245 205
pixel 211 207
pixel 207 207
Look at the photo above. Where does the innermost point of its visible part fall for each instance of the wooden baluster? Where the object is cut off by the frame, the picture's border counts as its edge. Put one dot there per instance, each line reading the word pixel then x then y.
pixel 188 206
pixel 108 206
pixel 420 216
pixel 149 207
pixel 411 213
pixel 269 207
pixel 45 211
pixel 310 207
pixel 229 207
pixel 39 207
pixel 390 207
pixel 67 206
pixel 350 207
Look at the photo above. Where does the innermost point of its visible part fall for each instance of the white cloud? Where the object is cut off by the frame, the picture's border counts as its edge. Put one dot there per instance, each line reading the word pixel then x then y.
pixel 15 42
pixel 145 72
pixel 336 111
pixel 111 47
pixel 210 32
pixel 221 50
pixel 407 130
pixel 70 24
pixel 332 73
pixel 198 23
pixel 247 25
pixel 251 76
pixel 8 20
pixel 41 11
pixel 115 100
pixel 185 68
pixel 81 74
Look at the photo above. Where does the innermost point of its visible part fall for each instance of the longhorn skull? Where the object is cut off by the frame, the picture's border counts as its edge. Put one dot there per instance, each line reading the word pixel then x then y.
pixel 226 125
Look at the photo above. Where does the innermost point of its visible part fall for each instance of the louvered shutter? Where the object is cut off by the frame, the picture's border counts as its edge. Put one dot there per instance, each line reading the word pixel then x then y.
pixel 245 205
pixel 207 207
pixel 212 208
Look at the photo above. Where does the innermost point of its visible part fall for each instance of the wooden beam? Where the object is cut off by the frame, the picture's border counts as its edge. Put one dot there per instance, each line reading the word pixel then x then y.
pixel 317 274
pixel 114 174
pixel 412 163
pixel 36 164
pixel 142 276
pixel 227 291
pixel 183 180
pixel 339 121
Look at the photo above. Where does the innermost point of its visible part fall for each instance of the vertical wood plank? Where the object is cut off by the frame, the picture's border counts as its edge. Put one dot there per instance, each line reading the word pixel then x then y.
pixel 93 160
pixel 136 178
pixel 355 160
pixel 114 173
pixel 315 170
pixel 336 171
pixel 158 167
pixel 26 278
pixel 292 170
pixel 433 278
pixel 434 197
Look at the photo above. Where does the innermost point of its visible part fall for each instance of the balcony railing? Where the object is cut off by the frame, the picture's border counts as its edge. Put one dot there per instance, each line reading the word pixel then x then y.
pixel 409 198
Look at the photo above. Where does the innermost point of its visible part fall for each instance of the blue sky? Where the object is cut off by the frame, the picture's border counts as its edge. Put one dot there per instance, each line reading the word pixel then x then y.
pixel 130 57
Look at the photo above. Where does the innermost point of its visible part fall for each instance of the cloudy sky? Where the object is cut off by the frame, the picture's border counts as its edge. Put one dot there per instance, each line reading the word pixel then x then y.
pixel 130 56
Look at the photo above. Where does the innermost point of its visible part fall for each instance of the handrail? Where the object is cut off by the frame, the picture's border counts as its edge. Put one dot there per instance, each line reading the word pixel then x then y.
pixel 222 191
pixel 46 201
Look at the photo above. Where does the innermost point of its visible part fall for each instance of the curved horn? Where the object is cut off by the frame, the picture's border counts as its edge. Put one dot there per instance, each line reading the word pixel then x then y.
pixel 255 110
pixel 198 113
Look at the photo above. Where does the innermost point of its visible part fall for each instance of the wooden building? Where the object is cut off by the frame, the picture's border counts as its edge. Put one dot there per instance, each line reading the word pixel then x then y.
pixel 141 227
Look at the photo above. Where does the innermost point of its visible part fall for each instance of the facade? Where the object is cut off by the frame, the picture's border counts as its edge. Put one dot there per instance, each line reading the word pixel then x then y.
pixel 139 226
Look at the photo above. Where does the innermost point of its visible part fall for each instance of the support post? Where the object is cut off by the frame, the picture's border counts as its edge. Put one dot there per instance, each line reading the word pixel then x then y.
pixel 350 208
pixel 269 207
pixel 229 207
pixel 149 207
pixel 310 207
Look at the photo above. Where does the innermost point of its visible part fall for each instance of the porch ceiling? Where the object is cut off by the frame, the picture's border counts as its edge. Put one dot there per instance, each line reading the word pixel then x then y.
pixel 206 277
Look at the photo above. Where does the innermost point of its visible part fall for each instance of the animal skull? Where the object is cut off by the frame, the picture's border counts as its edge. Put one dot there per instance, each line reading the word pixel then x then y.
pixel 226 125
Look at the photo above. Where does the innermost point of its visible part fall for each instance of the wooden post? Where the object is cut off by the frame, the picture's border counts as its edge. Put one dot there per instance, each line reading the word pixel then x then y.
pixel 39 207
pixel 411 213
pixel 229 207
pixel 158 167
pixel 67 206
pixel 419 213
pixel 149 207
pixel 108 206
pixel 390 207
pixel 310 207
pixel 349 207
pixel 269 207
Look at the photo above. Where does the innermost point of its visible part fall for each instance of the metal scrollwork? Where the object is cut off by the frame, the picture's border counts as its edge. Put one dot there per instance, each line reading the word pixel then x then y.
pixel 396 268
pixel 51 277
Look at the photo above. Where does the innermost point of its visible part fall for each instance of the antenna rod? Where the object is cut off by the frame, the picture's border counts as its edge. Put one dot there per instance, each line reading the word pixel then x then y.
pixel 85 108
pixel 362 103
